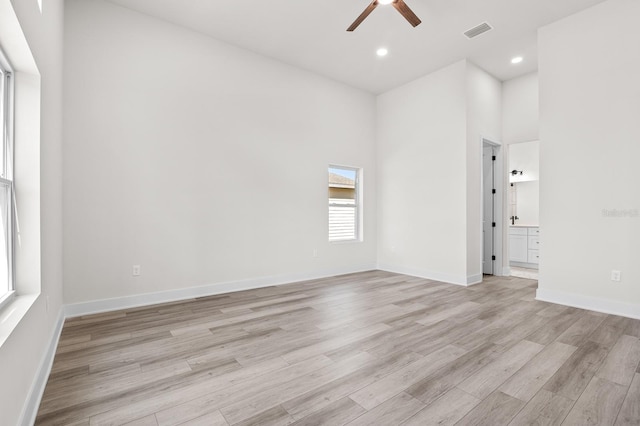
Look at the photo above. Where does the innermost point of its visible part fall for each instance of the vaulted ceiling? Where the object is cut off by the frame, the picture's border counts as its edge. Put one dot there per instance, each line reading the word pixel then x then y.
pixel 312 34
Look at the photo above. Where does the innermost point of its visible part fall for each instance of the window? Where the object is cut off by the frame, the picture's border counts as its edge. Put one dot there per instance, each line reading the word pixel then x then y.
pixel 6 182
pixel 344 203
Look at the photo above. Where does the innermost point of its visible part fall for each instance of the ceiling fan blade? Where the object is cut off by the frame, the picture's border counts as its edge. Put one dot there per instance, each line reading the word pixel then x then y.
pixel 363 15
pixel 408 14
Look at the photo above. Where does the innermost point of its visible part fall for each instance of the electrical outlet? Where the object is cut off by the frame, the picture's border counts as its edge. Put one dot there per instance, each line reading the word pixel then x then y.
pixel 136 270
pixel 615 275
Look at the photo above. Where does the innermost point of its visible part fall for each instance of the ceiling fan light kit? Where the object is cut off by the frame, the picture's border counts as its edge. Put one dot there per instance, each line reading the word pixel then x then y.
pixel 399 5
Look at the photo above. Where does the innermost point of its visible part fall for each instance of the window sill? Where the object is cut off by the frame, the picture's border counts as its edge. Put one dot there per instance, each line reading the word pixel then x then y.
pixel 346 241
pixel 12 314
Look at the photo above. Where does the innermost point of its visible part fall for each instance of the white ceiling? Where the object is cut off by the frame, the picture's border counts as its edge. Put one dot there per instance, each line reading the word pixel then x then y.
pixel 312 34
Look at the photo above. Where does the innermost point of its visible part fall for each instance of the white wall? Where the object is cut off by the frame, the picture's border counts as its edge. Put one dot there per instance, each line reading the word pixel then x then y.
pixel 524 157
pixel 421 151
pixel 589 150
pixel 21 355
pixel 199 161
pixel 484 120
pixel 520 116
pixel 429 146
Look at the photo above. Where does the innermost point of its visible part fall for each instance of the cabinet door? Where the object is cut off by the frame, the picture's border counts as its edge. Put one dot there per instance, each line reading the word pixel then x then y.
pixel 518 249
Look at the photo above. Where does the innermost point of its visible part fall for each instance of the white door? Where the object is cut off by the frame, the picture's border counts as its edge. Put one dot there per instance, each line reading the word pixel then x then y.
pixel 488 203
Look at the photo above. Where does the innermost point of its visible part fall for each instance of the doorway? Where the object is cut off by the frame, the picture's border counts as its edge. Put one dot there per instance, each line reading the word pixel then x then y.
pixel 524 230
pixel 492 208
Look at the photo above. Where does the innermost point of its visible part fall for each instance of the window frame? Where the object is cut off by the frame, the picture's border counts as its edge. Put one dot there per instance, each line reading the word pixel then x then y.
pixel 357 208
pixel 7 106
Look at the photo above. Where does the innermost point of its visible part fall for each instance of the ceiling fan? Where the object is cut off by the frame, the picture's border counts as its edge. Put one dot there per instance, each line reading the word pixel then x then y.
pixel 400 6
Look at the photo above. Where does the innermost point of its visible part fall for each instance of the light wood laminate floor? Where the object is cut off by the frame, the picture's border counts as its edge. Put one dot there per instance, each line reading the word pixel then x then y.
pixel 373 348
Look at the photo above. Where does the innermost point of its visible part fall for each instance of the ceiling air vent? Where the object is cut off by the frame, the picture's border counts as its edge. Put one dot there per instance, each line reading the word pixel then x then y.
pixel 476 31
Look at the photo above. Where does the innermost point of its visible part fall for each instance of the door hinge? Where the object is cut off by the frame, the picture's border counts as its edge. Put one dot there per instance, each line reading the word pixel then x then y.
pixel 493 258
pixel 493 224
pixel 493 158
pixel 493 191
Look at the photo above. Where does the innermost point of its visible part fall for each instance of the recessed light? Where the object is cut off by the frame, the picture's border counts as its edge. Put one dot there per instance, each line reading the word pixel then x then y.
pixel 517 60
pixel 385 1
pixel 382 52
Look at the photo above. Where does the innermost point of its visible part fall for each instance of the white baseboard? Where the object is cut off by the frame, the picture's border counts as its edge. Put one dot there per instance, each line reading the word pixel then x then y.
pixel 474 279
pixel 125 302
pixel 430 275
pixel 524 265
pixel 30 410
pixel 506 271
pixel 605 306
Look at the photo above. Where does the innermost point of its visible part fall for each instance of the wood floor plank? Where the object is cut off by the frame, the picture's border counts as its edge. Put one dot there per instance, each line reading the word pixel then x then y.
pixel 384 389
pixel 311 401
pixel 367 315
pixel 255 403
pixel 497 409
pixel 599 404
pixel 439 340
pixel 393 335
pixel 552 311
pixel 332 344
pixel 580 330
pixel 364 348
pixel 176 407
pixel 522 330
pixel 608 333
pixel 529 380
pixel 276 416
pixel 557 327
pixel 261 303
pixel 145 421
pixel 225 321
pixel 105 386
pixel 576 373
pixel 392 412
pixel 448 313
pixel 435 385
pixel 622 361
pixel 337 413
pixel 414 341
pixel 211 419
pixel 633 328
pixel 447 410
pixel 545 408
pixel 630 412
pixel 487 379
pixel 499 326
